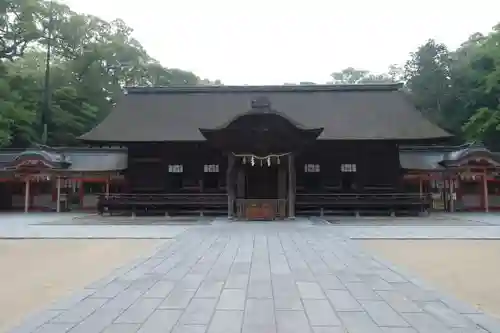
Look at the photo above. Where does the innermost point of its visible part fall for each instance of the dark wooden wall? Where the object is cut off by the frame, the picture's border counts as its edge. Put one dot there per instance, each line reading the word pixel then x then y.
pixel 148 167
pixel 377 166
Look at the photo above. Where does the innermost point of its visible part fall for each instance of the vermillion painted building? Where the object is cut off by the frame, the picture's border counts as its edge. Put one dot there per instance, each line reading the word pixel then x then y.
pixel 250 152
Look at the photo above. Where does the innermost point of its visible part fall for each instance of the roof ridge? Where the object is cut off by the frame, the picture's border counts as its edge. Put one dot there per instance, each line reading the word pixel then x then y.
pixel 264 88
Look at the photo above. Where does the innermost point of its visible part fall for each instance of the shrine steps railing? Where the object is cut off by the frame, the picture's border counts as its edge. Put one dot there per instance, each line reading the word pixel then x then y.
pixel 165 203
pixel 361 203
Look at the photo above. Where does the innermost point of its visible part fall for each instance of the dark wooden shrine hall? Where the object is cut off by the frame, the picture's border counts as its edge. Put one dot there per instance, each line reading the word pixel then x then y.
pixel 264 152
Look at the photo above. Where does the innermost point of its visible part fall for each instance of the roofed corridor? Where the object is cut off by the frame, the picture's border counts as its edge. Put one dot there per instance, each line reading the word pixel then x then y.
pixel 301 276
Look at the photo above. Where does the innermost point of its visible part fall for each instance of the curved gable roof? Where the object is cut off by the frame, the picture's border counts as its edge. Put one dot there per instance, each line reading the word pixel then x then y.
pixel 355 112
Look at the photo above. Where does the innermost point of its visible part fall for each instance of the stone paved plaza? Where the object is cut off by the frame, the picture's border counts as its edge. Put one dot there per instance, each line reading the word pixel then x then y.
pixel 298 276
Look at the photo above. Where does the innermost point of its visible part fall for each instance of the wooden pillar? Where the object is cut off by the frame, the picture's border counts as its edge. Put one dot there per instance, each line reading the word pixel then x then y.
pixel 291 186
pixel 81 192
pixel 485 192
pixel 451 193
pixel 421 185
pixel 230 185
pixel 26 195
pixel 58 194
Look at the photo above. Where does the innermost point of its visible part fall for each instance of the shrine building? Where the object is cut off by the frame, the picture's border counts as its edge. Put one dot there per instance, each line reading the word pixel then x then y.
pixel 248 152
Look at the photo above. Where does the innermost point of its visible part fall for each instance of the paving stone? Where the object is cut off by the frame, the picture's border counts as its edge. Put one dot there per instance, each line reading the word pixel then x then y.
pixel 80 311
pixel 178 299
pixel 139 311
pixel 391 276
pixel 342 300
pixel 97 321
pixel 191 281
pixel 260 289
pixel 361 291
pixel 292 322
pixel 358 322
pixel 330 282
pixel 414 292
pixel 210 289
pixel 310 290
pixel 199 311
pixel 237 281
pixel 161 321
pixel 284 284
pixel 110 290
pixel 425 323
pixel 232 299
pixel 190 329
pixel 383 314
pixel 160 289
pixel 124 300
pixel 398 301
pixel 347 277
pixel 400 330
pixel 54 328
pixel 144 283
pixel 447 315
pixel 226 322
pixel 375 282
pixel 320 313
pixel 304 275
pixel 328 329
pixel 122 328
pixel 259 316
pixel 288 302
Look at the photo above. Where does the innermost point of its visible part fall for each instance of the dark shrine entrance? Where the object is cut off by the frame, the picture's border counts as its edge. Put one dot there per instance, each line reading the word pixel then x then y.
pixel 262 188
pixel 261 182
pixel 260 145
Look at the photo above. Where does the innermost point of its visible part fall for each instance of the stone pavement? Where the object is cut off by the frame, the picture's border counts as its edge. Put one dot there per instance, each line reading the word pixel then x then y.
pixel 282 277
pixel 66 225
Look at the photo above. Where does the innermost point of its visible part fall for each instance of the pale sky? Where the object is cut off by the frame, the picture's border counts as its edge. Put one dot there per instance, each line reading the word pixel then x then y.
pixel 278 41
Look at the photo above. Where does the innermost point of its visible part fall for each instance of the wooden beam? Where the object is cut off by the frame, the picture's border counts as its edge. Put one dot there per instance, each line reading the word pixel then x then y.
pixel 230 185
pixel 291 186
pixel 485 192
pixel 26 195
pixel 58 195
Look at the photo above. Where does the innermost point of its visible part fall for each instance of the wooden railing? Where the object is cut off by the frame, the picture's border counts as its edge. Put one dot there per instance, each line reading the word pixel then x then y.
pixel 261 209
pixel 356 202
pixel 171 203
pixel 217 203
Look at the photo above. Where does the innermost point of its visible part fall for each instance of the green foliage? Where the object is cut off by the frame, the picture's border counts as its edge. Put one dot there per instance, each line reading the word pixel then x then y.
pixel 459 90
pixel 91 61
pixel 352 75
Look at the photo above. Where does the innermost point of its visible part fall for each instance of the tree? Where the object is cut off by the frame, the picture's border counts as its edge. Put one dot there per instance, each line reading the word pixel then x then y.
pixel 484 121
pixel 352 75
pixel 92 60
pixel 427 75
pixel 349 75
pixel 18 26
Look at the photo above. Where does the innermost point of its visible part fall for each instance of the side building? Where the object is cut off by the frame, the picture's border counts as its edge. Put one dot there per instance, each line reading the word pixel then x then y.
pixel 59 179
